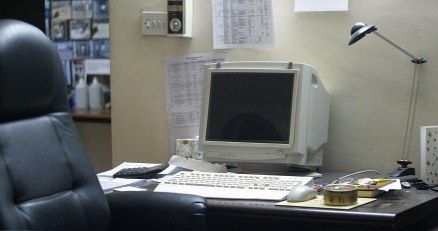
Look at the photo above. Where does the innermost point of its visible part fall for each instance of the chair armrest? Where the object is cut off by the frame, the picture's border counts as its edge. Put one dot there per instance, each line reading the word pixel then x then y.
pixel 156 211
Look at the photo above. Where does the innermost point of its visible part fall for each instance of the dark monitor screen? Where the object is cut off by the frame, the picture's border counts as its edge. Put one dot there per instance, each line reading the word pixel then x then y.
pixel 250 107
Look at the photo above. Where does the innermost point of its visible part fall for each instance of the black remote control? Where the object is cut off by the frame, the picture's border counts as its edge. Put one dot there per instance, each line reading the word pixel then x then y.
pixel 140 172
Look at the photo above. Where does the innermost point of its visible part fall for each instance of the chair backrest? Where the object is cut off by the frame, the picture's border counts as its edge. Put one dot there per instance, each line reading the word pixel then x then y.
pixel 46 179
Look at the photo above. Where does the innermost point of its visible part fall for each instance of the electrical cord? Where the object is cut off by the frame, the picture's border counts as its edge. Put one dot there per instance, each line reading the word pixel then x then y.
pixel 355 173
pixel 421 185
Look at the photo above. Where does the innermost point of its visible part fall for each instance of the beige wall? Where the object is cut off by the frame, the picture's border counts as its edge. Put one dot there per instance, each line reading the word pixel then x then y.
pixel 369 82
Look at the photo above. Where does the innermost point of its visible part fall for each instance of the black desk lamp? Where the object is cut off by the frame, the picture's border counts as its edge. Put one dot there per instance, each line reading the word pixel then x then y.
pixel 358 31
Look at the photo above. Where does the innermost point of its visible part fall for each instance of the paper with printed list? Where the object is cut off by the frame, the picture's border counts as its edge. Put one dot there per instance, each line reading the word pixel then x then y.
pixel 242 24
pixel 184 80
pixel 321 5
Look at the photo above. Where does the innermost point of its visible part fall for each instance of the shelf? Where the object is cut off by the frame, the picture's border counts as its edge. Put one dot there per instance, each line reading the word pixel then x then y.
pixel 102 116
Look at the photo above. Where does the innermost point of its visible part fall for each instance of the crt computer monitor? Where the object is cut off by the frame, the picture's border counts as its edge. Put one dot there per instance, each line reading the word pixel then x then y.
pixel 263 116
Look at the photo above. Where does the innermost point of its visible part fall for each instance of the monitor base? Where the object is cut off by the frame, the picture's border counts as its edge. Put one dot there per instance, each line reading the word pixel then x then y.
pixel 273 169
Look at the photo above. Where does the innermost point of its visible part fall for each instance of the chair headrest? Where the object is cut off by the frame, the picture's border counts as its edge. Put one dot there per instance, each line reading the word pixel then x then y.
pixel 32 81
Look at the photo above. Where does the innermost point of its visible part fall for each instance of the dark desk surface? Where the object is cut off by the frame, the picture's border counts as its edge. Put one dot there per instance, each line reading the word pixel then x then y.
pixel 407 209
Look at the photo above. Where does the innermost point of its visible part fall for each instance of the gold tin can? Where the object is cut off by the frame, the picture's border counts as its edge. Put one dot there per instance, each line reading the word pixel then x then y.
pixel 340 195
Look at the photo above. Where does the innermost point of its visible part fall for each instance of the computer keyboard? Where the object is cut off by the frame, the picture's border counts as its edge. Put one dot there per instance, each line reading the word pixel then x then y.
pixel 232 186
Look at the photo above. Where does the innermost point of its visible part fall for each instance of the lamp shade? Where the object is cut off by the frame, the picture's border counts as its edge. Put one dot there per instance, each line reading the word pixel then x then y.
pixel 359 30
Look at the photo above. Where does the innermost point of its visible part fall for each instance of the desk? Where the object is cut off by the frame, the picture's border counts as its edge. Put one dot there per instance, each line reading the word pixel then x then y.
pixel 404 210
pixel 407 209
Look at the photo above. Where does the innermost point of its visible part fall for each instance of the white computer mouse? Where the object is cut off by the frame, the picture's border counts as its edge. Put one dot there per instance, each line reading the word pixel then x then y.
pixel 301 193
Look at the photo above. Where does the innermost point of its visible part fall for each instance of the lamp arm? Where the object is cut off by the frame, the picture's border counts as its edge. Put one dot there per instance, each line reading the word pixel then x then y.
pixel 414 59
pixel 411 112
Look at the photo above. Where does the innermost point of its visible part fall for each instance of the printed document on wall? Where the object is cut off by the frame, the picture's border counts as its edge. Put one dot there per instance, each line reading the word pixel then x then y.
pixel 242 24
pixel 321 5
pixel 184 80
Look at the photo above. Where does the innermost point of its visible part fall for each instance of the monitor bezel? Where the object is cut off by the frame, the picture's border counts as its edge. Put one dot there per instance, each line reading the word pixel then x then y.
pixel 226 146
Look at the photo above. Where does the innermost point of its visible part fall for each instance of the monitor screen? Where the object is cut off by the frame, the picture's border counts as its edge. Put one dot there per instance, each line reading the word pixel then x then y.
pixel 250 107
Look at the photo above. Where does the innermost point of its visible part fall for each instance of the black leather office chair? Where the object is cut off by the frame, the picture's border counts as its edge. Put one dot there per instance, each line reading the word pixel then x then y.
pixel 46 180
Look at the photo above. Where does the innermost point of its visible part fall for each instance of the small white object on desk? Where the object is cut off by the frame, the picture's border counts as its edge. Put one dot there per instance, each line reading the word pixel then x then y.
pixel 109 183
pixel 196 165
pixel 188 148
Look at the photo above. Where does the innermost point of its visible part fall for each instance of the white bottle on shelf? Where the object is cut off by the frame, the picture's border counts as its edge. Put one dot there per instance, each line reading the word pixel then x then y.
pixel 81 95
pixel 95 95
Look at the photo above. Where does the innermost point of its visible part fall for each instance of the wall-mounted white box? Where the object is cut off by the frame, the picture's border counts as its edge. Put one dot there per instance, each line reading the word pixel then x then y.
pixel 154 23
pixel 157 23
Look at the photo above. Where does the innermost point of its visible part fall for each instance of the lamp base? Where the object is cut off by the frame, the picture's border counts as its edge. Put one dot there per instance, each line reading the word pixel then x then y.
pixel 398 172
pixel 404 170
